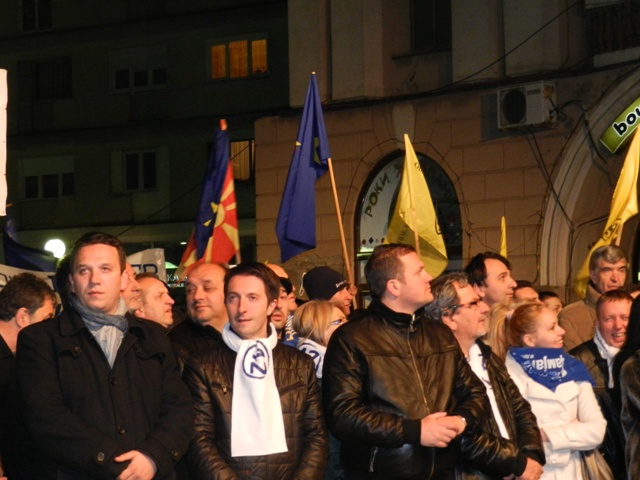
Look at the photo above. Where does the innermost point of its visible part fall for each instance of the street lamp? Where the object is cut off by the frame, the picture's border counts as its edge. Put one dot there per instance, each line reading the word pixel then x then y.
pixel 56 246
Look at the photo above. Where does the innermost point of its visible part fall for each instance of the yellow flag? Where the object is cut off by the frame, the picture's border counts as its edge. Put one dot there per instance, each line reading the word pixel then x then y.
pixel 415 216
pixel 503 237
pixel 624 205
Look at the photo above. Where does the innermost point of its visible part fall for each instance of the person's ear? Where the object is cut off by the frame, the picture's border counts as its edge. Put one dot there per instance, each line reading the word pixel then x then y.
pixel 272 307
pixel 393 287
pixel 448 320
pixel 22 317
pixel 528 340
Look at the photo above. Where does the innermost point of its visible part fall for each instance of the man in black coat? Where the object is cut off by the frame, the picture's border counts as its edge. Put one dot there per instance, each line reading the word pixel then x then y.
pixel 101 391
pixel 509 442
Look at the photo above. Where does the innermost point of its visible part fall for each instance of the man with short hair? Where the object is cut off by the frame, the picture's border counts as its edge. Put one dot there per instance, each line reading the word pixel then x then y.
pixel 509 443
pixel 607 271
pixel 206 311
pixel 101 393
pixel 396 388
pixel 155 302
pixel 524 292
pixel 257 403
pixel 324 283
pixel 24 300
pixel 612 316
pixel 490 275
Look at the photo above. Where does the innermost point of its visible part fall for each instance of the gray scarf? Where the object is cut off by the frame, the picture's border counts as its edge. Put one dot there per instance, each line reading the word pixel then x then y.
pixel 107 329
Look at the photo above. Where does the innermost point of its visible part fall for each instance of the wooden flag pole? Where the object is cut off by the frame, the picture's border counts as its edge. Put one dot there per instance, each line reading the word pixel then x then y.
pixel 345 254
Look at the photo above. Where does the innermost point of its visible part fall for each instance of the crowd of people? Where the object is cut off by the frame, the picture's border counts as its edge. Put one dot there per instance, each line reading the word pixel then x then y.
pixel 471 375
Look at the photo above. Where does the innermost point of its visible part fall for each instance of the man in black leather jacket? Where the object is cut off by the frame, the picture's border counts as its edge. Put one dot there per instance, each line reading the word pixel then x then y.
pixel 257 403
pixel 397 390
pixel 509 442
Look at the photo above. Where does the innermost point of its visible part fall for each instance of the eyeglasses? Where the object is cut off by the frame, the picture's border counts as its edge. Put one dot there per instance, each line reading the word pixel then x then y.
pixel 474 305
pixel 340 321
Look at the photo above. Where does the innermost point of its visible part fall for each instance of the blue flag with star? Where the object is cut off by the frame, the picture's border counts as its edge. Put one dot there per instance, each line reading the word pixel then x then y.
pixel 296 225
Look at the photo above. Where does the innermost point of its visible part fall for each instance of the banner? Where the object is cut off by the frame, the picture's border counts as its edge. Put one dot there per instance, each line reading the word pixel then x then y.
pixel 621 129
pixel 150 260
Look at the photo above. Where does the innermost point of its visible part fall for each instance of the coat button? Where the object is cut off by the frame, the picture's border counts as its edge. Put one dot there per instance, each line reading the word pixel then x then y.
pixel 113 381
pixel 122 430
pixel 100 456
pixel 175 453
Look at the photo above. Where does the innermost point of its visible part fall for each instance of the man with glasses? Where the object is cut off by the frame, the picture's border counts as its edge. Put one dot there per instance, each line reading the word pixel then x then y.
pixel 509 441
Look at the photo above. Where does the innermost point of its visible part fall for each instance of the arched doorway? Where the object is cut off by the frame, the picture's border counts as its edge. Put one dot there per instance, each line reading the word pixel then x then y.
pixel 377 202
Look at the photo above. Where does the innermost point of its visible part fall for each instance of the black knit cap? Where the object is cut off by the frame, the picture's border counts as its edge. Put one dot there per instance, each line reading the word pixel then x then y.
pixel 322 283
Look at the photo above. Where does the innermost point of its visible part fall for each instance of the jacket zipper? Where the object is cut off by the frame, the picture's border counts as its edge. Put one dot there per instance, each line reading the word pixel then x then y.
pixel 373 459
pixel 416 371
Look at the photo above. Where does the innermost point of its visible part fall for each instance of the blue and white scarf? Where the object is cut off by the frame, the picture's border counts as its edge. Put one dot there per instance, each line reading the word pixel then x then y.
pixel 315 351
pixel 257 426
pixel 551 367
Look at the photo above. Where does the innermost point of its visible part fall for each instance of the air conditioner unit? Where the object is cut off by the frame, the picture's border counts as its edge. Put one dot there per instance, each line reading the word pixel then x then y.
pixel 529 105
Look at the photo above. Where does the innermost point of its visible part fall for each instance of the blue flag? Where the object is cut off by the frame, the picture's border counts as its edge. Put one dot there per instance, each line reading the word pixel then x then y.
pixel 22 256
pixel 296 225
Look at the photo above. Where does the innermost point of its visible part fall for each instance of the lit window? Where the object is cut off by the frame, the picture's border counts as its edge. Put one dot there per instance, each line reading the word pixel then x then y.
pixel 238 57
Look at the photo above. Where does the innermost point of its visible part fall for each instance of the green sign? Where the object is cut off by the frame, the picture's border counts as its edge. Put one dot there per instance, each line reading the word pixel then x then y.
pixel 622 128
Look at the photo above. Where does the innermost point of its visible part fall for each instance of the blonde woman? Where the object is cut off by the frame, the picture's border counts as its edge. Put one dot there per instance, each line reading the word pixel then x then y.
pixel 315 321
pixel 558 387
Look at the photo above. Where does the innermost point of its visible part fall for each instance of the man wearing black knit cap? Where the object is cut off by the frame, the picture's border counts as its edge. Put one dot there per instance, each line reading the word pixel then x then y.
pixel 324 283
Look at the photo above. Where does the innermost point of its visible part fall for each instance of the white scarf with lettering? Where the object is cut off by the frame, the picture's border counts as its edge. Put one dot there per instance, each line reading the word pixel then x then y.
pixel 257 425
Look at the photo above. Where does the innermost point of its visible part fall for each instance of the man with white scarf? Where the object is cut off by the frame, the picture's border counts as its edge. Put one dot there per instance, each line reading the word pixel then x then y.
pixel 612 316
pixel 101 391
pixel 257 403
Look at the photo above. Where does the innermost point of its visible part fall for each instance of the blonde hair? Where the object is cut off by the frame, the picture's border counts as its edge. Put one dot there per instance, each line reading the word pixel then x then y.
pixel 311 319
pixel 509 324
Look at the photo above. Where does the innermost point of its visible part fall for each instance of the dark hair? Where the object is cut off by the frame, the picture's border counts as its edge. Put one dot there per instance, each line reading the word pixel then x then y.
pixel 630 347
pixel 523 284
pixel 384 265
pixel 445 295
pixel 256 269
pixel 61 278
pixel 631 288
pixel 24 290
pixel 98 238
pixel 543 295
pixel 477 270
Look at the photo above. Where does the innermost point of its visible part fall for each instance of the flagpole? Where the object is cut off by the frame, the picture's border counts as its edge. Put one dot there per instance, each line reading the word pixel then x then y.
pixel 345 254
pixel 414 215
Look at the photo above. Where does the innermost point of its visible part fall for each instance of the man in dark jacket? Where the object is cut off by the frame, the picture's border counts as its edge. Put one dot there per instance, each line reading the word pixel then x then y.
pixel 257 403
pixel 24 300
pixel 509 442
pixel 612 316
pixel 207 314
pixel 101 391
pixel 397 390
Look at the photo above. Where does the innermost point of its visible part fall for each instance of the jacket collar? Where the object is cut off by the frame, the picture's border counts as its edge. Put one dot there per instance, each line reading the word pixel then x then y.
pixel 379 309
pixel 71 323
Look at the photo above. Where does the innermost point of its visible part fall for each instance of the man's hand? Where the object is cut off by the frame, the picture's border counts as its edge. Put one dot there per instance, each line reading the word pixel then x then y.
pixel 140 467
pixel 438 429
pixel 533 471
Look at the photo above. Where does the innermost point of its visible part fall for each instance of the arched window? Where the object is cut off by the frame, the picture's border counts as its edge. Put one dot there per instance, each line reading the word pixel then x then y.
pixel 377 202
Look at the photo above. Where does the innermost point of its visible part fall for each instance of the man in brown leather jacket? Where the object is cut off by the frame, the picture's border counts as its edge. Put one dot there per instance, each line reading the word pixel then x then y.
pixel 397 390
